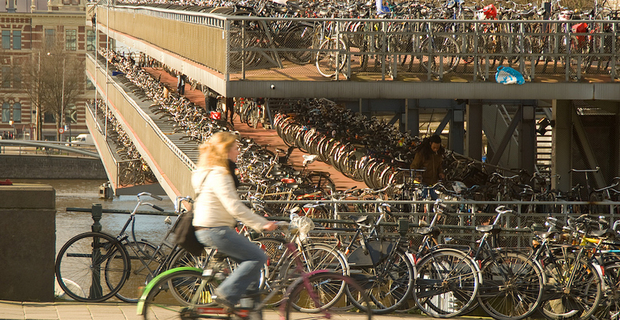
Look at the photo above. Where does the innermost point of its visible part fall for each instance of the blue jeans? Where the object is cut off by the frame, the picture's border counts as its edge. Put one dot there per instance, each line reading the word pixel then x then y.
pixel 249 256
pixel 429 192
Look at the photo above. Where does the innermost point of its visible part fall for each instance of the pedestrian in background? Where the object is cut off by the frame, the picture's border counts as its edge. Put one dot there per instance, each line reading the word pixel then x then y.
pixel 181 84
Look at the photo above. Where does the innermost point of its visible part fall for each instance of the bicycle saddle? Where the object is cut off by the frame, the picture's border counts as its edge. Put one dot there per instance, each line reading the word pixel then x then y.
pixel 361 219
pixel 425 231
pixel 489 228
pixel 545 234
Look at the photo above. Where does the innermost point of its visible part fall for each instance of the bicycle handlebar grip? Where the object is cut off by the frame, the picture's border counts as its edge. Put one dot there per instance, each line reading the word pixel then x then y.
pixel 158 208
pixel 154 196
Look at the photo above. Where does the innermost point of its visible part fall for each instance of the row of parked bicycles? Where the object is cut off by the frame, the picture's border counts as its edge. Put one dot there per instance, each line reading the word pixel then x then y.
pixel 559 277
pixel 350 143
pixel 185 117
pixel 132 169
pixel 378 263
pixel 435 38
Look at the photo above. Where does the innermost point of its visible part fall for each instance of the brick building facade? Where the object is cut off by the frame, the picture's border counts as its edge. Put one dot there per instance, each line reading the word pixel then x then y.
pixel 26 28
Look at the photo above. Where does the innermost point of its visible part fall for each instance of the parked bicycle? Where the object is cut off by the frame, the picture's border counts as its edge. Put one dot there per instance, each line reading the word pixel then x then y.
pixel 95 266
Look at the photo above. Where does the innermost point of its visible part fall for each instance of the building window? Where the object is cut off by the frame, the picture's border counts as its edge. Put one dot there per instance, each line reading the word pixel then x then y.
pixel 17 112
pixel 6 39
pixel 71 40
pixel 48 117
pixel 50 38
pixel 90 40
pixel 6 112
pixel 6 77
pixel 17 39
pixel 17 77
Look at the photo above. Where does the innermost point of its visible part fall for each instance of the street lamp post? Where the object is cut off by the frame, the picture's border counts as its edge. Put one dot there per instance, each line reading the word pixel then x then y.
pixel 62 98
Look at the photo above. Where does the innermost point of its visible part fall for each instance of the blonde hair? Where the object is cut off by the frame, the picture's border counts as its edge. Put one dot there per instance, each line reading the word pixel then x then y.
pixel 214 152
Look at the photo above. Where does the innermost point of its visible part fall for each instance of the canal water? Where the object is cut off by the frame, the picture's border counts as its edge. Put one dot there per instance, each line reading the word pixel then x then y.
pixel 72 193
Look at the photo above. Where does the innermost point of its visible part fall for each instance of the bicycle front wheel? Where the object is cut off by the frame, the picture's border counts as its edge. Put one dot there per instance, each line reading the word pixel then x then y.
pixel 512 286
pixel 320 295
pixel 446 283
pixel 84 267
pixel 571 298
pixel 145 259
pixel 388 283
pixel 329 58
pixel 160 304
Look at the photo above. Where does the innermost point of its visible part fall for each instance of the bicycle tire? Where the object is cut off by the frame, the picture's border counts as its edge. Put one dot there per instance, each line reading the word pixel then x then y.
pixel 140 253
pixel 159 304
pixel 388 284
pixel 577 302
pixel 76 267
pixel 182 258
pixel 512 286
pixel 320 296
pixel 329 59
pixel 445 275
pixel 297 38
pixel 444 64
pixel 609 308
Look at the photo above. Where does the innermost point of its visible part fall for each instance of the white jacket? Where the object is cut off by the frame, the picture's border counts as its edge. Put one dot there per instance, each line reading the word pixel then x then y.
pixel 218 203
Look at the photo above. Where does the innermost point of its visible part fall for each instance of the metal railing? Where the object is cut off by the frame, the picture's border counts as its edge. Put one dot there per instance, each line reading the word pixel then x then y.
pixel 426 49
pixel 459 221
pixel 403 49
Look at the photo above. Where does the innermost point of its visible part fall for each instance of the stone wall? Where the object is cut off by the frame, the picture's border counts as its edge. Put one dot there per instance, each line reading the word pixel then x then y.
pixel 27 242
pixel 46 167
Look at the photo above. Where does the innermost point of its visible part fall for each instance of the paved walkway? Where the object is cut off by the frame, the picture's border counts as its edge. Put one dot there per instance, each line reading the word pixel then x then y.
pixel 127 311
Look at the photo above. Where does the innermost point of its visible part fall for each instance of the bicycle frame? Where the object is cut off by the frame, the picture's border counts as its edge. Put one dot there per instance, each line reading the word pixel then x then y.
pixel 290 256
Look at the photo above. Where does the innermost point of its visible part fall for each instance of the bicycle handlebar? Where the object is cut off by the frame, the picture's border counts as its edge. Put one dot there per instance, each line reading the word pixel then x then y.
pixel 156 197
pixel 586 170
pixel 158 208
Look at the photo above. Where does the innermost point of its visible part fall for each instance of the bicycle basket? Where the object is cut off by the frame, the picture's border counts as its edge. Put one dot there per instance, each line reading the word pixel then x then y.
pixel 301 225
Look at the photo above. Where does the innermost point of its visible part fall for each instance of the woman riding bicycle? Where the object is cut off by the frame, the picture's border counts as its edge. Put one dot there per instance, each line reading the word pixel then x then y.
pixel 217 210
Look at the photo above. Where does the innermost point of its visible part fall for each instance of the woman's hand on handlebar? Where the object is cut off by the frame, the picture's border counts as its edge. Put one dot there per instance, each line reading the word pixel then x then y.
pixel 270 226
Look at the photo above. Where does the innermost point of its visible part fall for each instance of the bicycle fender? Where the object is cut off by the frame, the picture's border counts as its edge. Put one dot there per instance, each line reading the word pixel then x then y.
pixel 155 280
pixel 601 274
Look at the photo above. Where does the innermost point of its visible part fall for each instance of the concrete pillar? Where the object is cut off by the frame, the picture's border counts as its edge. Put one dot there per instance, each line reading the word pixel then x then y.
pixel 27 242
pixel 561 155
pixel 527 139
pixel 412 115
pixel 473 138
pixel 457 130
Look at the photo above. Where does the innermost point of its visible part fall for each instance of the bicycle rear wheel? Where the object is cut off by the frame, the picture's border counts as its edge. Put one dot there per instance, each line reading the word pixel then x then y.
pixel 577 300
pixel 83 270
pixel 145 259
pixel 388 283
pixel 609 308
pixel 512 286
pixel 320 297
pixel 446 283
pixel 160 304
